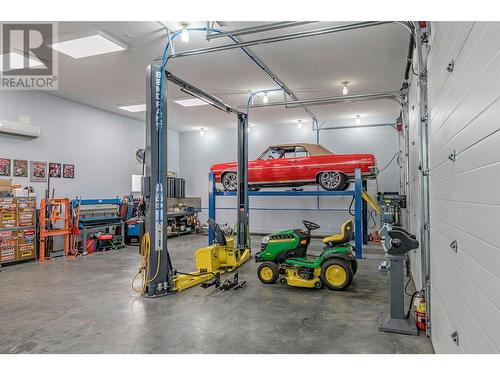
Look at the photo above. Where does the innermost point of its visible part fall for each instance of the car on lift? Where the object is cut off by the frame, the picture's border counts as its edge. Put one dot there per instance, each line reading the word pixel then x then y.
pixel 298 164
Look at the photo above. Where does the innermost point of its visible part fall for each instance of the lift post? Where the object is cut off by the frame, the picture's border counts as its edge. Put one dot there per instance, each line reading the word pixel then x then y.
pixel 357 193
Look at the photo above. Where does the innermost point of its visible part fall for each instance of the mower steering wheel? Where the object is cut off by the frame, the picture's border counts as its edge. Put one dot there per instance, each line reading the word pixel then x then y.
pixel 310 226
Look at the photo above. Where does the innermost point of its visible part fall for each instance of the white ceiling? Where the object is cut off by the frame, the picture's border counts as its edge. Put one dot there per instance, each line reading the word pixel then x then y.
pixel 372 59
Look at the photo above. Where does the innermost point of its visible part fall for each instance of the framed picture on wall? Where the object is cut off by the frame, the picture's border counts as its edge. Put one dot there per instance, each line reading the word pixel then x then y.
pixel 38 171
pixel 20 168
pixel 4 167
pixel 68 171
pixel 55 170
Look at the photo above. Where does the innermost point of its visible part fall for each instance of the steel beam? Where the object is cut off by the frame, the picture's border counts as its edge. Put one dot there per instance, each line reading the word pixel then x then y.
pixel 281 38
pixel 259 29
pixel 154 188
pixel 198 93
pixel 242 194
pixel 394 95
pixel 424 171
pixel 355 126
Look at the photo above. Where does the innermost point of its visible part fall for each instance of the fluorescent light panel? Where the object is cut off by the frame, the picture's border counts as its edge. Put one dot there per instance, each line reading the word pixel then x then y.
pixel 133 108
pixel 17 61
pixel 191 102
pixel 87 46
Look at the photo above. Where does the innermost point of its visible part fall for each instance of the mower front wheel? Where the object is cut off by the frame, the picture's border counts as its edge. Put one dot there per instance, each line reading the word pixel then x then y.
pixel 268 272
pixel 336 274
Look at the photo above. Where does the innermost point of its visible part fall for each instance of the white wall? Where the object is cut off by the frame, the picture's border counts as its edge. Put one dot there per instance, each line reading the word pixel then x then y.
pixel 100 144
pixel 465 205
pixel 199 153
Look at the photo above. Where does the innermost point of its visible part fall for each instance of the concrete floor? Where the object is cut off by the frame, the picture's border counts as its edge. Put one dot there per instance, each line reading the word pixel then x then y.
pixel 85 305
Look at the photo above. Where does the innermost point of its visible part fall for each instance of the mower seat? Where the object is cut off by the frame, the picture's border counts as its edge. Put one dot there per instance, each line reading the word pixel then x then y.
pixel 344 236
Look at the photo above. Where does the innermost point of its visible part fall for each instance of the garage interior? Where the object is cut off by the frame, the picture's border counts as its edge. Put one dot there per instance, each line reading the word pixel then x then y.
pixel 121 233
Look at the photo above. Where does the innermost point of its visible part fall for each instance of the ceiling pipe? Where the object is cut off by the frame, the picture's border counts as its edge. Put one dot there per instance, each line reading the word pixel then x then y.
pixel 260 29
pixel 394 95
pixel 355 126
pixel 297 35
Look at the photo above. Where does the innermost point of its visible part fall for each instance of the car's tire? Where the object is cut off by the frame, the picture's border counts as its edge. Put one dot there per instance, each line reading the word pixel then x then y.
pixel 268 272
pixel 230 181
pixel 336 274
pixel 332 180
pixel 345 186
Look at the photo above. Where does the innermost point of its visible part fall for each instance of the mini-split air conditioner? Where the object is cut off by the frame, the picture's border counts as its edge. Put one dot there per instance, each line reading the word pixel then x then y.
pixel 19 129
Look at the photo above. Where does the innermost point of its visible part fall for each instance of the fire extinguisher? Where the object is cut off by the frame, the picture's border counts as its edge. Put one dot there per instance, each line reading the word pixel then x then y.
pixel 420 313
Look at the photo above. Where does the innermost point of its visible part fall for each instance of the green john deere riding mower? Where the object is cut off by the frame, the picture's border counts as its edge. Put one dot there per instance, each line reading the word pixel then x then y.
pixel 283 255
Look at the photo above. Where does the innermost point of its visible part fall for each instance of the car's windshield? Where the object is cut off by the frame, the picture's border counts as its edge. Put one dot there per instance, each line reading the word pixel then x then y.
pixel 272 153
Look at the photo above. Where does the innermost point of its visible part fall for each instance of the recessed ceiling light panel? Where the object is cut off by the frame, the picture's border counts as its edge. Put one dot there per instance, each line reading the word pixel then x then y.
pixel 133 108
pixel 190 102
pixel 87 46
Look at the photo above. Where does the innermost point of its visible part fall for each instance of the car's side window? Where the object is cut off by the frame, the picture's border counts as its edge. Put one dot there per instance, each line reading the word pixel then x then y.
pixel 301 152
pixel 289 153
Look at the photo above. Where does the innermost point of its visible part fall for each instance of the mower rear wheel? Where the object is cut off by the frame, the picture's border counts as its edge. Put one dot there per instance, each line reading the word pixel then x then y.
pixel 268 272
pixel 336 274
pixel 354 266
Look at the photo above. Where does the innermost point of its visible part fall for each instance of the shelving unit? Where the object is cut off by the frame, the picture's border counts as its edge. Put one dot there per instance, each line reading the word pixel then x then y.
pixel 359 219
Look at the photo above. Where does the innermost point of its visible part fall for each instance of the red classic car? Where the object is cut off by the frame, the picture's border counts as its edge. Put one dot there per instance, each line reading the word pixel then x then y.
pixel 296 165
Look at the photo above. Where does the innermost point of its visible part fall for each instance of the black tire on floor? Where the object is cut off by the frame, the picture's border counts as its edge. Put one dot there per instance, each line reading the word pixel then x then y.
pixel 354 266
pixel 336 274
pixel 268 272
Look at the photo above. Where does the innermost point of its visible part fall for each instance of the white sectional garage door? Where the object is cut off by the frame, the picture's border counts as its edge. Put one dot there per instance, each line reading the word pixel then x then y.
pixel 465 193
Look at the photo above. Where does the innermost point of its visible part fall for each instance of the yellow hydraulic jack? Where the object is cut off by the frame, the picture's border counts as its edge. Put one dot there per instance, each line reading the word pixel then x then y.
pixel 221 257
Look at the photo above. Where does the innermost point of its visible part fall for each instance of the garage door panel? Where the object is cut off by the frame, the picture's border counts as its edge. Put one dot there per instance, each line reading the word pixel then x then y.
pixel 447 48
pixel 463 109
pixel 477 144
pixel 476 54
pixel 443 324
pixel 473 339
pixel 485 283
pixel 444 48
pixel 469 186
pixel 466 304
pixel 484 254
pixel 479 220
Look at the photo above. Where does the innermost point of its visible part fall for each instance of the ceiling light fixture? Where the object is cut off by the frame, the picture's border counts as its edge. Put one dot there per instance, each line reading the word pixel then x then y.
pixel 191 102
pixel 185 33
pixel 133 107
pixel 299 125
pixel 202 131
pixel 265 99
pixel 93 45
pixel 358 119
pixel 345 90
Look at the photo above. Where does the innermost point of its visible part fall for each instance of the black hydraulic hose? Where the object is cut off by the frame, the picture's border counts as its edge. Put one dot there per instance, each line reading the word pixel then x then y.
pixel 409 58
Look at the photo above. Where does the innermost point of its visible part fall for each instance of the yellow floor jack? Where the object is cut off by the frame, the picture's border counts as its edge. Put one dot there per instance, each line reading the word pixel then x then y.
pixel 211 261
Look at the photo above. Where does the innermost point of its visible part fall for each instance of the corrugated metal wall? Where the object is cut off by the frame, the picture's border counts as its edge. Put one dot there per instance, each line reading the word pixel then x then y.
pixel 465 202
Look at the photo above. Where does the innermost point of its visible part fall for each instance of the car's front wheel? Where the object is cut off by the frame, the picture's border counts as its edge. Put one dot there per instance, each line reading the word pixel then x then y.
pixel 230 181
pixel 332 180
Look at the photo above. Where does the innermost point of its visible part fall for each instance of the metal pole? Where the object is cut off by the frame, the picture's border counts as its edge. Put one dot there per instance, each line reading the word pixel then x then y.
pixel 406 127
pixel 156 151
pixel 211 206
pixel 365 215
pixel 355 126
pixel 298 35
pixel 358 207
pixel 395 95
pixel 260 29
pixel 242 195
pixel 424 173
